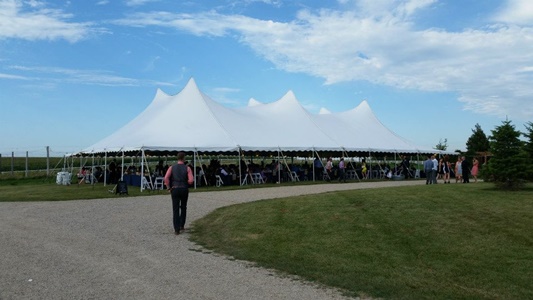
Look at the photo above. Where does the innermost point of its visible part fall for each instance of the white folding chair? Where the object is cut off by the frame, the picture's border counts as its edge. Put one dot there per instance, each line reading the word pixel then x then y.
pixel 159 183
pixel 325 176
pixel 145 184
pixel 294 176
pixel 219 182
pixel 257 178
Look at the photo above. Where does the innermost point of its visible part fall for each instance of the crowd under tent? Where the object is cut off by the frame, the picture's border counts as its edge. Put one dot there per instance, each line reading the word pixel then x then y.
pixel 192 122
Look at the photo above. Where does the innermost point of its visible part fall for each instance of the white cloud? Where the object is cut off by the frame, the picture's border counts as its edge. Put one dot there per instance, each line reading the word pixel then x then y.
pixel 226 90
pixel 516 12
pixel 31 21
pixel 276 3
pixel 11 76
pixel 488 68
pixel 47 75
pixel 387 8
pixel 138 2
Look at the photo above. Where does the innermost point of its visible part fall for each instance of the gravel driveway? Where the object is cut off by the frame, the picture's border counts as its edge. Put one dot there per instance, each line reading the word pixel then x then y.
pixel 125 248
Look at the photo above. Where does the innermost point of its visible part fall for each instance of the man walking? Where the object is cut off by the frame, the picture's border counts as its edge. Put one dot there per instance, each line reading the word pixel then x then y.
pixel 177 179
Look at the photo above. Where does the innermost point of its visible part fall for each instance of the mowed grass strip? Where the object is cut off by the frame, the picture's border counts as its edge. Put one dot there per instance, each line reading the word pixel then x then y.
pixel 45 189
pixel 421 242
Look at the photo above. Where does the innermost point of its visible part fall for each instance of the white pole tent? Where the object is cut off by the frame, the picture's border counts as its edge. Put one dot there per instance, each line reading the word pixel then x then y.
pixel 192 122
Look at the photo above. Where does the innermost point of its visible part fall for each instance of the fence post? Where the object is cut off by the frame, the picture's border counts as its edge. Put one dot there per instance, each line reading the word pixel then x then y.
pixel 12 163
pixel 26 174
pixel 47 161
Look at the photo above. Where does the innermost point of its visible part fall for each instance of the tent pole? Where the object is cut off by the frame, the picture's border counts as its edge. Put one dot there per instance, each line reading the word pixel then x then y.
pixel 417 160
pixel 122 168
pixel 92 172
pixel 105 167
pixel 279 169
pixel 395 162
pixel 240 173
pixel 71 164
pixel 313 156
pixel 369 164
pixel 142 169
pixel 194 166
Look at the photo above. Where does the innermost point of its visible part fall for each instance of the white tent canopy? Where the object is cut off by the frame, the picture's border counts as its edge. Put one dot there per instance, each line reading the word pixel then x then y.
pixel 191 121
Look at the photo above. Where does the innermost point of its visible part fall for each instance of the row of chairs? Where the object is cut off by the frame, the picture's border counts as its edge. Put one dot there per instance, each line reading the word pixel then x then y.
pixel 158 183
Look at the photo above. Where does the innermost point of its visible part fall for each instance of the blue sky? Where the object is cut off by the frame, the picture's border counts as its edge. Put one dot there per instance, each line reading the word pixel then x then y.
pixel 73 72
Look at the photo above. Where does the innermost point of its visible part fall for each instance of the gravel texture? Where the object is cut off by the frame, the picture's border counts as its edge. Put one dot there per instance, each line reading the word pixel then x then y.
pixel 125 248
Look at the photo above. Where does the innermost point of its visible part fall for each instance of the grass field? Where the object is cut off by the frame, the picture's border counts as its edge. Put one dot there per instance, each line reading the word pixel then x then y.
pixel 421 242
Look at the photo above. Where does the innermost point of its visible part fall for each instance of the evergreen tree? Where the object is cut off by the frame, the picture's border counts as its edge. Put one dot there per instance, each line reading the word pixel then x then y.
pixel 477 142
pixel 508 166
pixel 528 148
pixel 529 143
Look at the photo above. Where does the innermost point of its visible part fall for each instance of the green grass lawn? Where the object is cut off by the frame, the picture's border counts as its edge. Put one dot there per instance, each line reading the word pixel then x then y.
pixel 46 189
pixel 420 242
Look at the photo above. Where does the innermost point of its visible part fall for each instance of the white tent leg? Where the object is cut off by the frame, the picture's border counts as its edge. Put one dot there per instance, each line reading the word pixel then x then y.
pixel 142 170
pixel 194 166
pixel 92 171
pixel 314 171
pixel 105 167
pixel 122 168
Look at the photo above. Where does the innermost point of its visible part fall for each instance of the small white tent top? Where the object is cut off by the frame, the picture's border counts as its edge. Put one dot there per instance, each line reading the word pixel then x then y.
pixel 191 121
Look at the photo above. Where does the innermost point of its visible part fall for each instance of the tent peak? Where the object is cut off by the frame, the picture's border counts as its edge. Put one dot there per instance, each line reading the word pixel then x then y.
pixel 324 111
pixel 160 95
pixel 288 97
pixel 253 102
pixel 191 84
pixel 364 107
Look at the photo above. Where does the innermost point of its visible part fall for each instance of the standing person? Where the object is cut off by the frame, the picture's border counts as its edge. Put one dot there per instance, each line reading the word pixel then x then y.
pixel 458 170
pixel 160 169
pixel 465 165
pixel 113 172
pixel 428 165
pixel 434 169
pixel 342 169
pixel 177 179
pixel 445 168
pixel 329 168
pixel 475 169
pixel 319 168
pixel 405 167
